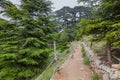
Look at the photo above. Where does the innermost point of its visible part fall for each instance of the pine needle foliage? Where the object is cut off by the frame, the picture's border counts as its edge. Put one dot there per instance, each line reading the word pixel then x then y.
pixel 23 38
pixel 106 26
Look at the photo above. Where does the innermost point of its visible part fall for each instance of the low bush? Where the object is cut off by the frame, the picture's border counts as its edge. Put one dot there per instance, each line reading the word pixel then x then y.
pixel 86 60
pixel 83 51
pixel 95 76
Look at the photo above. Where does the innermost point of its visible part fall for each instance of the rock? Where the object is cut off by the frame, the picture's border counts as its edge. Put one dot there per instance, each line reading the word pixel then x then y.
pixel 116 66
pixel 117 72
pixel 101 71
pixel 81 69
pixel 105 68
pixel 101 68
pixel 119 77
pixel 114 77
pixel 113 69
pixel 97 62
pixel 96 70
pixel 106 76
pixel 108 69
pixel 91 53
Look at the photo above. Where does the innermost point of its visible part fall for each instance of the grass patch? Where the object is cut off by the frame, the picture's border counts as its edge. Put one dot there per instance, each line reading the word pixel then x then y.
pixel 95 76
pixel 83 51
pixel 47 75
pixel 86 60
pixel 98 47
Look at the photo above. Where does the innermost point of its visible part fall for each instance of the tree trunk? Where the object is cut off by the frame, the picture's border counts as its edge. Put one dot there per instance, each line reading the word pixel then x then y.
pixel 91 44
pixel 109 54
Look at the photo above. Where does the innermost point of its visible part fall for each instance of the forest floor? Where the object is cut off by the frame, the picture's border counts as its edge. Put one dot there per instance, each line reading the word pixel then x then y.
pixel 74 68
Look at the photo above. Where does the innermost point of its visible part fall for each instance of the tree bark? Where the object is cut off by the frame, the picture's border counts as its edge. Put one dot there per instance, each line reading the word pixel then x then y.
pixel 109 54
pixel 91 43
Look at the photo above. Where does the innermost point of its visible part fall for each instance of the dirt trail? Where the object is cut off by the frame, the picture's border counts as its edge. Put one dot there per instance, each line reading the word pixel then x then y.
pixel 74 68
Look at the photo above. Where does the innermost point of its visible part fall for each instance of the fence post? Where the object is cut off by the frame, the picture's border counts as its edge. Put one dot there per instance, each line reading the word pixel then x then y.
pixel 72 49
pixel 55 57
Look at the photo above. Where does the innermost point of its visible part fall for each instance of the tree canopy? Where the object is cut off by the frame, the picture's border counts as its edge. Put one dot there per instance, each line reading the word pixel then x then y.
pixel 24 38
pixel 105 27
pixel 68 18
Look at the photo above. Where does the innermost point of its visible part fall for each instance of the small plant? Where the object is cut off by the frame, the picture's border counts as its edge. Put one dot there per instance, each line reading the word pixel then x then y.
pixel 83 54
pixel 95 76
pixel 86 60
pixel 83 51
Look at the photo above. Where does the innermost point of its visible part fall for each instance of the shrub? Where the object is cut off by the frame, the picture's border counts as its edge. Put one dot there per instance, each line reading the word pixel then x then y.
pixel 95 76
pixel 83 51
pixel 86 60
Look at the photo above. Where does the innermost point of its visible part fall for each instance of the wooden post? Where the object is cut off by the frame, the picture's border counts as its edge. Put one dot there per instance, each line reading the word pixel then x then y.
pixel 55 57
pixel 72 50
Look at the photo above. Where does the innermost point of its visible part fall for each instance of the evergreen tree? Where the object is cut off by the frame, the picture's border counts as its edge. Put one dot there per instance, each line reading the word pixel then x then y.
pixel 24 38
pixel 106 26
pixel 8 50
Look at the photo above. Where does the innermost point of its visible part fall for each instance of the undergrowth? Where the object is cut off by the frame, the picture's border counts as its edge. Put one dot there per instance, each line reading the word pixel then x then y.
pixel 95 76
pixel 86 59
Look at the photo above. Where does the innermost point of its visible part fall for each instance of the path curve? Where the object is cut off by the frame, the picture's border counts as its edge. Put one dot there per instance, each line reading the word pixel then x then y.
pixel 74 68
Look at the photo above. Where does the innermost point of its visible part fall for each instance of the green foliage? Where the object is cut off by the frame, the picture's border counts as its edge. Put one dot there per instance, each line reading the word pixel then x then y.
pixel 86 60
pixel 83 51
pixel 108 26
pixel 62 40
pixel 105 27
pixel 82 28
pixel 95 76
pixel 23 38
pixel 64 37
pixel 109 10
